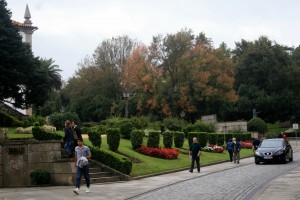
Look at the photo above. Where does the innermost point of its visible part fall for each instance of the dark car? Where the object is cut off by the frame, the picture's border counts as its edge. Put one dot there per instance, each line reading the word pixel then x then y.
pixel 277 149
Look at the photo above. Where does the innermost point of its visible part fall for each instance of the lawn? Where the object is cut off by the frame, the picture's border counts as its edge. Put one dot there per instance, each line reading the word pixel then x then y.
pixel 149 165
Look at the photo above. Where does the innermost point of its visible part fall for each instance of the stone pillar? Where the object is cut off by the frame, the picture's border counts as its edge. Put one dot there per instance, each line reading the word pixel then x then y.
pixel 3 134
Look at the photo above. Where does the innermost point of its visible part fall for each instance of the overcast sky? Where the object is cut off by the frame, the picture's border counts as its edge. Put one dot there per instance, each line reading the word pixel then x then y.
pixel 69 30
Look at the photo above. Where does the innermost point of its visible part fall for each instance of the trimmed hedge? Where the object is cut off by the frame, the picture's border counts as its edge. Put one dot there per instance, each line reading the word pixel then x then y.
pixel 246 136
pixel 95 137
pixel 179 139
pixel 40 134
pixel 137 138
pixel 153 139
pixel 113 138
pixel 228 136
pixel 168 139
pixel 216 138
pixel 257 124
pixel 117 162
pixel 201 136
pixel 40 176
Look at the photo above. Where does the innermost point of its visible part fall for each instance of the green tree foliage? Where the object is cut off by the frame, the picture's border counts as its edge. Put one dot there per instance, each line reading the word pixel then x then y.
pixel 257 124
pixel 23 78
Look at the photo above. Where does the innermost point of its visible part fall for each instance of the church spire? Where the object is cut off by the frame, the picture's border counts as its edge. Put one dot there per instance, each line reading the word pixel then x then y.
pixel 27 16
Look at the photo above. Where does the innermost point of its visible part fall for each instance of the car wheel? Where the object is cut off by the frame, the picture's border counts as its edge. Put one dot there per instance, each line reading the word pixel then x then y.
pixel 257 161
pixel 286 160
pixel 291 158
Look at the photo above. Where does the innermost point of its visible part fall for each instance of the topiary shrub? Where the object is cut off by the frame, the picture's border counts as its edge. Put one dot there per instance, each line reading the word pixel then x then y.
pixel 220 139
pixel 212 138
pixel 126 127
pixel 115 161
pixel 199 126
pixel 257 124
pixel 113 138
pixel 168 139
pixel 40 134
pixel 178 139
pixel 246 136
pixel 95 137
pixel 228 136
pixel 137 138
pixel 201 136
pixel 153 139
pixel 40 177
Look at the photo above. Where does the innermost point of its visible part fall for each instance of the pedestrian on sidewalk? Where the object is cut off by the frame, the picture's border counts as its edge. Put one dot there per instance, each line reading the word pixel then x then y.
pixel 82 155
pixel 236 147
pixel 229 149
pixel 194 154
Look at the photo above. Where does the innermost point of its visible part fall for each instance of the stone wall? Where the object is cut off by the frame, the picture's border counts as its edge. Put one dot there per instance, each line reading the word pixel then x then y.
pixel 20 157
pixel 225 127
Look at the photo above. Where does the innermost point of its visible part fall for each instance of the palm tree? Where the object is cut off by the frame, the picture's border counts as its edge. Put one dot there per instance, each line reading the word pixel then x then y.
pixel 55 80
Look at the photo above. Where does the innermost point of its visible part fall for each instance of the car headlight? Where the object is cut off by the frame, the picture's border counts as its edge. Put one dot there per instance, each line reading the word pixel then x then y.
pixel 257 153
pixel 279 152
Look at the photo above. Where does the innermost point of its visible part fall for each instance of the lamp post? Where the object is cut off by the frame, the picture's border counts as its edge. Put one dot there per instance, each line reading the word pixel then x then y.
pixel 126 96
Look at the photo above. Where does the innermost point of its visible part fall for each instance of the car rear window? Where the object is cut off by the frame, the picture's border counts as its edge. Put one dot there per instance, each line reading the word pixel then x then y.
pixel 271 143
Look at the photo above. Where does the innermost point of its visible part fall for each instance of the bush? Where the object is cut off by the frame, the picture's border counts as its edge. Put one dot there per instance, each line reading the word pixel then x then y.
pixel 257 124
pixel 216 138
pixel 95 137
pixel 137 138
pixel 201 136
pixel 166 153
pixel 153 139
pixel 40 134
pixel 126 127
pixel 246 136
pixel 199 126
pixel 58 119
pixel 173 123
pixel 117 162
pixel 168 139
pixel 40 176
pixel 228 136
pixel 178 139
pixel 8 120
pixel 31 120
pixel 113 138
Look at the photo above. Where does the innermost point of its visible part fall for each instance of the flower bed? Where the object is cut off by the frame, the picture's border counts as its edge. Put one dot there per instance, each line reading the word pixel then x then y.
pixel 246 145
pixel 159 152
pixel 214 148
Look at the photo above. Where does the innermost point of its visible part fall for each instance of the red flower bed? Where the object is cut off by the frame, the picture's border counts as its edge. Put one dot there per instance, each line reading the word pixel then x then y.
pixel 246 145
pixel 159 152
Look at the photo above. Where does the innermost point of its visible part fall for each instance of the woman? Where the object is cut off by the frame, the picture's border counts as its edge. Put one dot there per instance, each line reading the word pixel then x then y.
pixel 68 138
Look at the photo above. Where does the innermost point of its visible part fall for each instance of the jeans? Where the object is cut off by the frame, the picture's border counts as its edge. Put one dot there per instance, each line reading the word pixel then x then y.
pixel 236 156
pixel 68 147
pixel 197 159
pixel 230 154
pixel 85 171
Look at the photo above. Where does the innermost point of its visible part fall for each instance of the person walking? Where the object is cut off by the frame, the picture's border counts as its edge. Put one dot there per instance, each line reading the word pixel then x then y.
pixel 255 144
pixel 236 147
pixel 82 156
pixel 68 137
pixel 77 132
pixel 229 149
pixel 194 154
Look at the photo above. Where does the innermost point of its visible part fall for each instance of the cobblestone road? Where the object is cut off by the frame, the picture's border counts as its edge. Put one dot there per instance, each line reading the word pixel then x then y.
pixel 240 182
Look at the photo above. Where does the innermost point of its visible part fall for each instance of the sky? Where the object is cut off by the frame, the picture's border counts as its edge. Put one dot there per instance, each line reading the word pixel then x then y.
pixel 70 30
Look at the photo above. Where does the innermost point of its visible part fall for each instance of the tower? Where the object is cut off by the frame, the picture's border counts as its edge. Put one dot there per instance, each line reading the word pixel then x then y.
pixel 26 30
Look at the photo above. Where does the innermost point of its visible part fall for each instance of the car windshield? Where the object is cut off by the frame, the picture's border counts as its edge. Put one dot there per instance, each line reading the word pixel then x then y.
pixel 271 143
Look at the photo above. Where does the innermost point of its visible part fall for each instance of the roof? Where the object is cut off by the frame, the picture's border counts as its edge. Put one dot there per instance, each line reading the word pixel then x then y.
pixel 19 24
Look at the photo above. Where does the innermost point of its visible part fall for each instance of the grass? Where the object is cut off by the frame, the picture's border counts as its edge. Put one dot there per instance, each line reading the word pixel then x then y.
pixel 150 165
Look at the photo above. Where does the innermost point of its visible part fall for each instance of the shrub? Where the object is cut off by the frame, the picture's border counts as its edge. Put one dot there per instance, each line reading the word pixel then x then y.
pixel 228 136
pixel 213 148
pixel 178 139
pixel 246 145
pixel 95 137
pixel 58 119
pixel 117 162
pixel 173 123
pixel 153 139
pixel 168 139
pixel 246 136
pixel 8 120
pixel 40 134
pixel 21 130
pixel 165 153
pixel 31 120
pixel 126 127
pixel 137 138
pixel 257 124
pixel 212 138
pixel 113 138
pixel 201 136
pixel 199 126
pixel 40 176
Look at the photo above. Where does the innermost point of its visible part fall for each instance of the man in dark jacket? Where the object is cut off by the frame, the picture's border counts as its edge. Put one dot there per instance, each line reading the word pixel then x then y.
pixel 229 149
pixel 194 153
pixel 77 131
pixel 236 147
pixel 68 137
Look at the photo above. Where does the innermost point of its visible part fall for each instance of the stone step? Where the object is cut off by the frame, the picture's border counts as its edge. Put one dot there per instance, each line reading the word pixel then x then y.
pixel 103 180
pixel 100 174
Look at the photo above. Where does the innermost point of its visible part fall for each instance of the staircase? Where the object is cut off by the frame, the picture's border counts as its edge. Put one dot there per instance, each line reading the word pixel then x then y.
pixel 99 173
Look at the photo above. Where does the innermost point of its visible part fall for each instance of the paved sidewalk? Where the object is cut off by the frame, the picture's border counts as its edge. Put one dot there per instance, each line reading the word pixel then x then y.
pixel 284 187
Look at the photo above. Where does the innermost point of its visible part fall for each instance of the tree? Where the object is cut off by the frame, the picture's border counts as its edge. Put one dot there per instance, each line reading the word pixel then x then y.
pixel 23 80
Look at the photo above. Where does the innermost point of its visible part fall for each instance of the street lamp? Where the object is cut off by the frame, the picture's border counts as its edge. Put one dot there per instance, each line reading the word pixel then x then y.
pixel 126 96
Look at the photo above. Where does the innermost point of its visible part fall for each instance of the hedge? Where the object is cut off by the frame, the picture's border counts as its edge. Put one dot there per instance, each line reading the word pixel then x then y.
pixel 40 176
pixel 40 134
pixel 201 136
pixel 168 139
pixel 178 139
pixel 153 139
pixel 117 162
pixel 228 136
pixel 7 120
pixel 113 138
pixel 137 138
pixel 95 137
pixel 257 124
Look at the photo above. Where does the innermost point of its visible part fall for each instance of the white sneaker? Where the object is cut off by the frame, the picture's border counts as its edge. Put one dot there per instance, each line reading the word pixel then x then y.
pixel 87 190
pixel 76 191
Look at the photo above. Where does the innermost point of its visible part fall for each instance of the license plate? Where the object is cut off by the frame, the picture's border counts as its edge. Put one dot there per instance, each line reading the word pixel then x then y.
pixel 268 157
